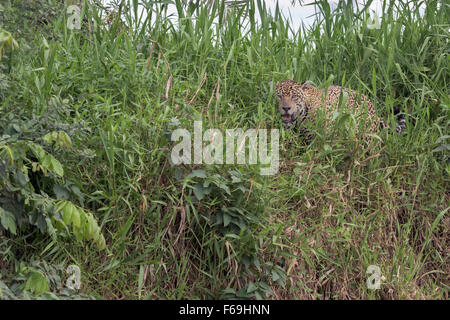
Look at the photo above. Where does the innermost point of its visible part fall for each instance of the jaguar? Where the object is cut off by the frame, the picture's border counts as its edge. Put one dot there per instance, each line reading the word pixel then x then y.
pixel 298 102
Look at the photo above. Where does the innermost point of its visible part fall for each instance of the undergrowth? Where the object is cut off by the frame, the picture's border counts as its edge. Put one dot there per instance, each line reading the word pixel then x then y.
pixel 86 117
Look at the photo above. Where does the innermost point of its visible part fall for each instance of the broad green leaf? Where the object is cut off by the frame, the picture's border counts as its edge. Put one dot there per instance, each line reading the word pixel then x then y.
pixel 37 283
pixel 67 213
pixel 226 219
pixel 57 167
pixel 76 217
pixel 223 186
pixel 8 220
pixel 199 191
pixel 60 192
pixel 197 174
pixel 251 287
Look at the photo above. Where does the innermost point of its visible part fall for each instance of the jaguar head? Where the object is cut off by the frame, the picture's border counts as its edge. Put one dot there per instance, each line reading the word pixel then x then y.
pixel 291 102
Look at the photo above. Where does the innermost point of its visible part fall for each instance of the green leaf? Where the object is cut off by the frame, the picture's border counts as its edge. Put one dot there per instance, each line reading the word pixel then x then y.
pixel 67 213
pixel 96 234
pixel 59 137
pixel 102 243
pixel 223 186
pixel 199 191
pixel 46 161
pixel 8 220
pixel 197 174
pixel 64 139
pixel 441 148
pixel 76 217
pixel 226 219
pixel 251 287
pixel 47 138
pixel 89 231
pixel 275 275
pixel 7 42
pixel 37 283
pixel 235 176
pixel 21 179
pixel 61 193
pixel 57 167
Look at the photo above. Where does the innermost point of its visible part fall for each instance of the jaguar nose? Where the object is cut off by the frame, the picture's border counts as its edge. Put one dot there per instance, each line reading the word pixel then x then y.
pixel 286 109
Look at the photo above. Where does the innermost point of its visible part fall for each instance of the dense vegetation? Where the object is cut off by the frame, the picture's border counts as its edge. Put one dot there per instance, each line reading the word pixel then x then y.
pixel 85 176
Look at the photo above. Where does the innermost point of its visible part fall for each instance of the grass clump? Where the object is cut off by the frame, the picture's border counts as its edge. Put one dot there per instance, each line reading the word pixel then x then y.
pixel 117 89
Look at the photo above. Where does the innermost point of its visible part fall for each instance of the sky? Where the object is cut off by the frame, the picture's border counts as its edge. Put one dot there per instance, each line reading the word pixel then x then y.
pixel 303 13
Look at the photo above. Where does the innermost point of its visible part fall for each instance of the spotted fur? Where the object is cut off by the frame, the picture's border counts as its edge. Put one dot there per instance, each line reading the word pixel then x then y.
pixel 300 101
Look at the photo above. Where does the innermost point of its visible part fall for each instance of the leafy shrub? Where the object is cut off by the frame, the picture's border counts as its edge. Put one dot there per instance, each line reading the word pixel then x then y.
pixel 38 280
pixel 33 191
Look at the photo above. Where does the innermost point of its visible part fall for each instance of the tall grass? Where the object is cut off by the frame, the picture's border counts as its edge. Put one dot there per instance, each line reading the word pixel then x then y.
pixel 200 231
